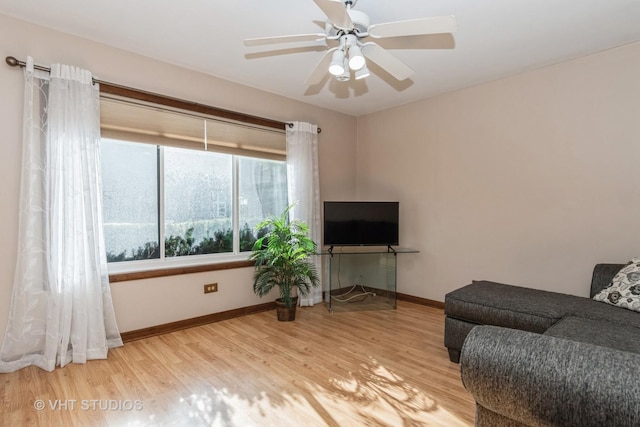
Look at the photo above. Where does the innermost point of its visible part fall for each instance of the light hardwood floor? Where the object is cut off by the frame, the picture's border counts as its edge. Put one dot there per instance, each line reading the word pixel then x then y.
pixel 364 368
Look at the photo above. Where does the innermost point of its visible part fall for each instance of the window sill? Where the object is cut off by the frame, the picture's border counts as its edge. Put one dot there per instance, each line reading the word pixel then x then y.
pixel 173 271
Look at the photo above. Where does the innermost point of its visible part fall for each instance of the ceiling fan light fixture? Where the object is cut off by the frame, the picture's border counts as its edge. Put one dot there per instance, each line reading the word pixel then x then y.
pixel 337 66
pixel 363 73
pixel 356 59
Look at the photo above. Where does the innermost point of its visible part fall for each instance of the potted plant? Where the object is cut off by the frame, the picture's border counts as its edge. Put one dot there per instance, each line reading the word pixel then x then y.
pixel 282 261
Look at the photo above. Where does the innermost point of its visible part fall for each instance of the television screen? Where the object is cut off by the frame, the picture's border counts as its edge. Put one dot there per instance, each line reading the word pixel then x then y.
pixel 361 223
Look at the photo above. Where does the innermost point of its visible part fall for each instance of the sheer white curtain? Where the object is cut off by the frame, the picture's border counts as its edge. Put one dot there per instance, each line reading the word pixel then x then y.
pixel 304 187
pixel 61 308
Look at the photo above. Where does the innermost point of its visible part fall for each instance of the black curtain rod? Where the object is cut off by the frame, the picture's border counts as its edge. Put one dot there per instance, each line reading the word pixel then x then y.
pixel 13 62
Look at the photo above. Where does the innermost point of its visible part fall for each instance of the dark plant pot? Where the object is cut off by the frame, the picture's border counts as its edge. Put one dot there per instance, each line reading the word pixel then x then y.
pixel 286 314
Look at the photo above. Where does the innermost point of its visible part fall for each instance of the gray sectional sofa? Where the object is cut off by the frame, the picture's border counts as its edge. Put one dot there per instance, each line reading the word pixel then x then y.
pixel 538 358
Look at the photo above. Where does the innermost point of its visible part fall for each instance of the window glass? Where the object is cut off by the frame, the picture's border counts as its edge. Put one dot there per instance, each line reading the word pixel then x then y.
pixel 198 202
pixel 196 211
pixel 130 200
pixel 262 192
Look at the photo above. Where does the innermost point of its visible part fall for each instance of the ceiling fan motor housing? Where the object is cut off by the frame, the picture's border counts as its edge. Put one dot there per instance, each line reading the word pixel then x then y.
pixel 360 21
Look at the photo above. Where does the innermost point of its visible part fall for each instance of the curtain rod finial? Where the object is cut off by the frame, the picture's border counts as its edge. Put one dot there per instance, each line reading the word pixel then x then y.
pixel 289 124
pixel 11 61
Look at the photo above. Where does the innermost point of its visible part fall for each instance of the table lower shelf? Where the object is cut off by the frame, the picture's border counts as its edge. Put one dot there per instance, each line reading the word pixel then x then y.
pixel 361 298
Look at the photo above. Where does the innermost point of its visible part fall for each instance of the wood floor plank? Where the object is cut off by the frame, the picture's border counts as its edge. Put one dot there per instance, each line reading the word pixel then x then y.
pixel 362 368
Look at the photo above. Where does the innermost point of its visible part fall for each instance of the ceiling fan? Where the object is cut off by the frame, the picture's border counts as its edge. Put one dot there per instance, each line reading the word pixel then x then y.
pixel 349 28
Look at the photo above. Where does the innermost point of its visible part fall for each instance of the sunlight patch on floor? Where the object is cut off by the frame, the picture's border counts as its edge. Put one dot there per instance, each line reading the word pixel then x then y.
pixel 374 395
pixel 378 396
pixel 222 408
pixel 385 409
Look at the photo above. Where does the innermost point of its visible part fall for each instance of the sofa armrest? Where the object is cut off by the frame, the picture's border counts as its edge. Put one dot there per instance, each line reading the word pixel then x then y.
pixel 543 380
pixel 602 276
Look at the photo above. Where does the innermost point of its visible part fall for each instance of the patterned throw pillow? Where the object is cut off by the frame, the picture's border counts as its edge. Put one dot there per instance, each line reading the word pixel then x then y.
pixel 624 290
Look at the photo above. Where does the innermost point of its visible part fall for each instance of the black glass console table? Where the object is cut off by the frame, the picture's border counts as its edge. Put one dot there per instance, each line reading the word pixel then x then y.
pixel 361 277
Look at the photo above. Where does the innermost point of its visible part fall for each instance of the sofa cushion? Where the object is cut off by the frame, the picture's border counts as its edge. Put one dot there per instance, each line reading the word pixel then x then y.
pixel 598 332
pixel 491 303
pixel 596 310
pixel 624 290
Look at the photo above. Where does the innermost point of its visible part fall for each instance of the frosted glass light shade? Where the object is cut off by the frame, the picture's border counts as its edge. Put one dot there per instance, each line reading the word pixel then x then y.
pixel 362 73
pixel 356 59
pixel 337 63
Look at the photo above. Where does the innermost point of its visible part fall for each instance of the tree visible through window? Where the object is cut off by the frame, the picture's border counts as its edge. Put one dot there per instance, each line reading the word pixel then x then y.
pixel 188 199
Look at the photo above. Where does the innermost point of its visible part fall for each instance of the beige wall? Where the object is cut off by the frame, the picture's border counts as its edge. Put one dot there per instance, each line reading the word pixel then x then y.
pixel 529 180
pixel 146 303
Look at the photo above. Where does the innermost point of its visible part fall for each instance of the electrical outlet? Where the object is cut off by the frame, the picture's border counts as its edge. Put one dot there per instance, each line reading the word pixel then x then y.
pixel 211 287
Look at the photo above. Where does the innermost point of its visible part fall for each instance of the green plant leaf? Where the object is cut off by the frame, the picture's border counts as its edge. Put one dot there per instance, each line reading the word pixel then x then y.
pixel 281 257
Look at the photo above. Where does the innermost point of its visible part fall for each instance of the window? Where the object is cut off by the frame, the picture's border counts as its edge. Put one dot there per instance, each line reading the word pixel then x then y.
pixel 162 186
pixel 198 196
pixel 130 200
pixel 262 192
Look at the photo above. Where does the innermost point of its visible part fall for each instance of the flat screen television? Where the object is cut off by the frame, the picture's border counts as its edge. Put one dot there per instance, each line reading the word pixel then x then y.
pixel 361 223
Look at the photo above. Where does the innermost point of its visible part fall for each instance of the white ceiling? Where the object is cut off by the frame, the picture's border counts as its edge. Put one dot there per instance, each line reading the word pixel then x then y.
pixel 495 38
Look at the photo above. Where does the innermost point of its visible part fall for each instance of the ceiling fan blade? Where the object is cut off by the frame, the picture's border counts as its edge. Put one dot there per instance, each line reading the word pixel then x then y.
pixel 385 60
pixel 321 69
pixel 414 27
pixel 285 39
pixel 336 12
